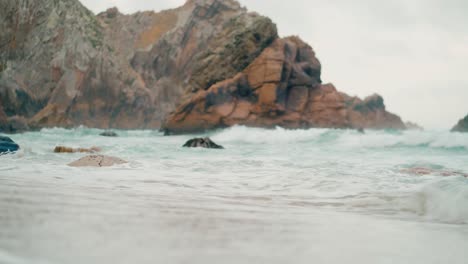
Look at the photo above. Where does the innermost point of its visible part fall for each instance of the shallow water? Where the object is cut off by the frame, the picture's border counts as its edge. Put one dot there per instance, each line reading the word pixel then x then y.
pixel 272 196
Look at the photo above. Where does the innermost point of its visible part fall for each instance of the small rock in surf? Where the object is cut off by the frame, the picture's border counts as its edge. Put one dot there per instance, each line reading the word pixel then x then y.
pixel 202 143
pixel 97 161
pixel 62 149
pixel 7 145
pixel 109 134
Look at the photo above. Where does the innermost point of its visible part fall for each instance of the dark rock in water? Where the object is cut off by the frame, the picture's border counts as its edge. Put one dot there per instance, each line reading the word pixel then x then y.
pixel 462 125
pixel 109 134
pixel 361 130
pixel 3 118
pixel 202 143
pixel 97 161
pixel 7 145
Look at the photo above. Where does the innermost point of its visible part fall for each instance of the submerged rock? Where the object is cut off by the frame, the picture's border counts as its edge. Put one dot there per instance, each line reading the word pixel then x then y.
pixel 202 143
pixel 62 149
pixel 423 171
pixel 7 145
pixel 462 125
pixel 97 161
pixel 109 134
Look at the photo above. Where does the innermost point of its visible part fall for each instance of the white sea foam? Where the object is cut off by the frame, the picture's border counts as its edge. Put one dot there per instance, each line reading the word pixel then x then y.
pixel 345 138
pixel 278 135
pixel 446 200
pixel 268 186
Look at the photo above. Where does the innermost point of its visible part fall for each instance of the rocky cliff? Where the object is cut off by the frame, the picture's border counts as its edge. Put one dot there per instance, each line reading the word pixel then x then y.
pixel 462 125
pixel 61 65
pixel 282 87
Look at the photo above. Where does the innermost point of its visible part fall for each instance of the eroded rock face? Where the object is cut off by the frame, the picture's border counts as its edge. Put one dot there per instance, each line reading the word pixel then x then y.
pixel 97 161
pixel 462 125
pixel 7 145
pixel 210 63
pixel 282 87
pixel 60 65
pixel 202 143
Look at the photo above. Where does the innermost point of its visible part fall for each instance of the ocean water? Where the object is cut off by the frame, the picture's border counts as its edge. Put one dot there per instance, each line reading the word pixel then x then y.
pixel 272 196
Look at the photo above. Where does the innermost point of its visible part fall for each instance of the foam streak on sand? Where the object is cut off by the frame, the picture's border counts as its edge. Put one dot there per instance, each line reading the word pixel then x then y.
pixel 268 196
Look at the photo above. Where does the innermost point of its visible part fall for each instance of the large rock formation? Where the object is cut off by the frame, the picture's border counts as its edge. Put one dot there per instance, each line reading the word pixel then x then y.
pixel 61 65
pixel 462 125
pixel 282 87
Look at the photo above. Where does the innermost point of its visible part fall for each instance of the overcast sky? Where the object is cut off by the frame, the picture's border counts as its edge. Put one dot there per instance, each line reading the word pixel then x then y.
pixel 412 52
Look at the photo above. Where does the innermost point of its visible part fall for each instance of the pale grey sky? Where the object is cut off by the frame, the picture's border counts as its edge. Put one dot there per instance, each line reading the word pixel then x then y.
pixel 414 53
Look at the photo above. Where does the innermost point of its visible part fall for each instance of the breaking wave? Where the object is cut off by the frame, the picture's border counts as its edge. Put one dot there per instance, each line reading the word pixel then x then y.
pixel 345 138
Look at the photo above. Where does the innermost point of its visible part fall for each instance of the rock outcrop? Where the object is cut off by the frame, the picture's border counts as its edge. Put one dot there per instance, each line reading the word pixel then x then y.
pixel 7 145
pixel 282 87
pixel 60 65
pixel 62 149
pixel 210 63
pixel 202 143
pixel 462 125
pixel 108 134
pixel 97 161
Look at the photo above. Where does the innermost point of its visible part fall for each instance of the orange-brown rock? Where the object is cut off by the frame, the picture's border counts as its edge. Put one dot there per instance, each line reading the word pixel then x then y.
pixel 62 149
pixel 210 63
pixel 282 87
pixel 61 65
pixel 423 171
